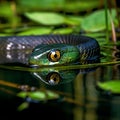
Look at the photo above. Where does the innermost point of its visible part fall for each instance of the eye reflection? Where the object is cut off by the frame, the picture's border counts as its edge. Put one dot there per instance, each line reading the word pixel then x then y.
pixel 53 78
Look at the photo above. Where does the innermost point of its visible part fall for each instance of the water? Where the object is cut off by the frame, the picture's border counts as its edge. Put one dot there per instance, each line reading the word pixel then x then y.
pixel 76 94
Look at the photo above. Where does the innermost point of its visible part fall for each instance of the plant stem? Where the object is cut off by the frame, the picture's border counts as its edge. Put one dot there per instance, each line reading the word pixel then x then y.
pixel 106 21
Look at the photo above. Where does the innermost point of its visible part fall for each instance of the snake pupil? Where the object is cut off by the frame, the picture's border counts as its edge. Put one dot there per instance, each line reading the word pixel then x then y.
pixel 55 55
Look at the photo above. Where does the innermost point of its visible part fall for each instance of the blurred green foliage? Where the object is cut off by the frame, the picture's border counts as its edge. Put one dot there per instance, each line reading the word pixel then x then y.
pixel 33 17
pixel 58 5
pixel 96 21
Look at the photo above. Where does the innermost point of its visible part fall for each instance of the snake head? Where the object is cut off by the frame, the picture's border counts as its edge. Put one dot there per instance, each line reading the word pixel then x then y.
pixel 54 54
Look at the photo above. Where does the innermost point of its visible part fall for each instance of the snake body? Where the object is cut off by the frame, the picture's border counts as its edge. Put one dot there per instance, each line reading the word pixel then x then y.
pixel 36 49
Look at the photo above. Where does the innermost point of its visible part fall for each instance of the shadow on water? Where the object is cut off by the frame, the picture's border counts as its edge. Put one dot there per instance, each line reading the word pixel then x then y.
pixel 71 94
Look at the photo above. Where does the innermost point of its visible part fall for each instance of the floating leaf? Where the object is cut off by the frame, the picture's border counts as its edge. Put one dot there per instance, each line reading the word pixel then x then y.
pixel 43 95
pixel 39 95
pixel 112 86
pixel 46 18
pixel 22 94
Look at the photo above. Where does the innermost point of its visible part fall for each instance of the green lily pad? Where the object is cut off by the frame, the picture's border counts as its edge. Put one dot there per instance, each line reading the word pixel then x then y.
pixel 46 18
pixel 112 86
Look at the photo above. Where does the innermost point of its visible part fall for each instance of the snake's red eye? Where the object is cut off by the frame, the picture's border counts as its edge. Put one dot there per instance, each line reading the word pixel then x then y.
pixel 54 55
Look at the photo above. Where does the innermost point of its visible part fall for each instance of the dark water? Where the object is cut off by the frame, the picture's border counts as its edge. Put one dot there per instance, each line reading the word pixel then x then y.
pixel 80 98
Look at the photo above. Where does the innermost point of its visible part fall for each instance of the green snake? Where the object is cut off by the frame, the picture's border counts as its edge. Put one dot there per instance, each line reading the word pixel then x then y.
pixel 40 50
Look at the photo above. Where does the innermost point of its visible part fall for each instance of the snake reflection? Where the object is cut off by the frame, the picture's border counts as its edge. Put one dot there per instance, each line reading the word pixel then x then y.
pixel 56 77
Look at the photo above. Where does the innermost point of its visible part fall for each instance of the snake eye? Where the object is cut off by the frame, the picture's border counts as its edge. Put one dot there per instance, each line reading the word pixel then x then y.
pixel 53 78
pixel 54 55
